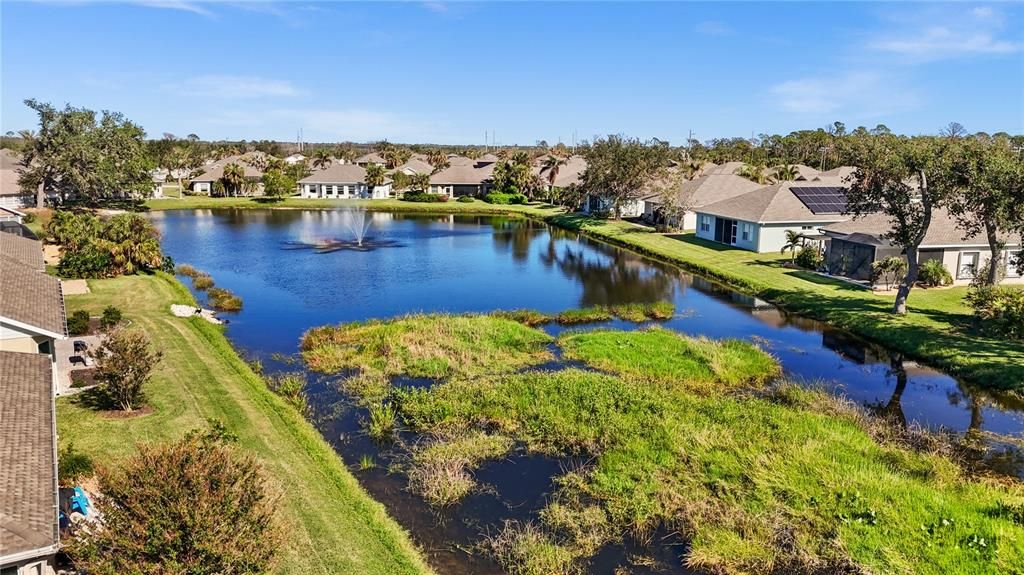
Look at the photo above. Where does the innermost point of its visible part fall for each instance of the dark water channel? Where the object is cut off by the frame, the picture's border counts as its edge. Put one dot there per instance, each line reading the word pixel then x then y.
pixel 479 264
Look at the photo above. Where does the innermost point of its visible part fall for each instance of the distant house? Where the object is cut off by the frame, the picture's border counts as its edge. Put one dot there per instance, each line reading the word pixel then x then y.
pixel 371 158
pixel 205 183
pixel 855 244
pixel 758 220
pixel 567 174
pixel 11 195
pixel 715 185
pixel 293 159
pixel 31 319
pixel 415 166
pixel 462 179
pixel 342 181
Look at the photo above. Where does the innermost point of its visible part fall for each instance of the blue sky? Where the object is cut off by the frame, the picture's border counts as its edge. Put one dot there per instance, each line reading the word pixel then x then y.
pixel 448 72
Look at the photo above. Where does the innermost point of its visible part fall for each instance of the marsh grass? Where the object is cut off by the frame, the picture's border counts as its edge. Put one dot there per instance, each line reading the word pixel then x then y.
pixel 202 281
pixel 662 356
pixel 433 346
pixel 439 470
pixel 634 312
pixel 290 386
pixel 528 317
pixel 524 549
pixel 381 420
pixel 186 270
pixel 584 315
pixel 223 300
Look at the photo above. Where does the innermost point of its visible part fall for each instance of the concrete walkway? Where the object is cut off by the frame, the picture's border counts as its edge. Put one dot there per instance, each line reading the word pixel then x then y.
pixel 65 349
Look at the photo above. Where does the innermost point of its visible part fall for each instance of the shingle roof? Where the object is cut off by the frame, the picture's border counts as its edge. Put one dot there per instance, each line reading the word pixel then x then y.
pixel 775 203
pixel 215 171
pixel 417 166
pixel 836 176
pixel 9 164
pixel 371 158
pixel 567 175
pixel 337 174
pixel 23 250
pixel 942 231
pixel 726 169
pixel 31 297
pixel 712 188
pixel 462 174
pixel 28 483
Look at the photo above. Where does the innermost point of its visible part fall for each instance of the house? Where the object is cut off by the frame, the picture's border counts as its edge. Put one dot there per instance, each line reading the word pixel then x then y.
pixel 293 159
pixel 462 179
pixel 758 220
pixel 371 158
pixel 11 195
pixel 415 166
pixel 8 214
pixel 205 183
pixel 857 243
pixel 31 319
pixel 703 190
pixel 342 181
pixel 567 174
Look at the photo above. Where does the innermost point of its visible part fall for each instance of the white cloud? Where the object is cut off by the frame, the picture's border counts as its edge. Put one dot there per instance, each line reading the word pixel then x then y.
pixel 713 28
pixel 193 7
pixel 936 35
pixel 438 7
pixel 853 95
pixel 234 87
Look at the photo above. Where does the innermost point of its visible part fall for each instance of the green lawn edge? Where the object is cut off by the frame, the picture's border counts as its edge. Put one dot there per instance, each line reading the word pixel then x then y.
pixel 334 526
pixel 475 208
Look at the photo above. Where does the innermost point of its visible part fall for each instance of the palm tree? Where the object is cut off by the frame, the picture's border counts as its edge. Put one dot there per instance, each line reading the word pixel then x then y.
pixel 785 173
pixel 420 182
pixel 346 153
pixel 754 172
pixel 375 176
pixel 552 165
pixel 472 153
pixel 321 159
pixel 793 241
pixel 437 159
pixel 693 169
pixel 234 178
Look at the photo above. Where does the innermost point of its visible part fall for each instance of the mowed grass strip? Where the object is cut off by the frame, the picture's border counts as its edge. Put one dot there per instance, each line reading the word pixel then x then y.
pixel 434 346
pixel 334 526
pixel 939 330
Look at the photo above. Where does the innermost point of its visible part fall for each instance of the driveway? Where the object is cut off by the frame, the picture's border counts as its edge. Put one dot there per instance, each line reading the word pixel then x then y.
pixel 65 350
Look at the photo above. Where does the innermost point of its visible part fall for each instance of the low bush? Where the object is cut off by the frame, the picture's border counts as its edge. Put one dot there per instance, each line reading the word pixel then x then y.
pixel 78 323
pixel 933 274
pixel 74 466
pixel 223 300
pixel 465 200
pixel 810 258
pixel 186 270
pixel 111 317
pixel 424 197
pixel 382 420
pixel 199 505
pixel 889 270
pixel 1000 309
pixel 28 219
pixel 505 199
pixel 123 363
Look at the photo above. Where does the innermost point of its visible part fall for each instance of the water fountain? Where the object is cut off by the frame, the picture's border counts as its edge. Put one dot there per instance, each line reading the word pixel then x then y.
pixel 358 224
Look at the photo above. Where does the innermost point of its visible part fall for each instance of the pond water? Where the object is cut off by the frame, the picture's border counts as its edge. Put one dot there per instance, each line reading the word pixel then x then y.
pixel 479 264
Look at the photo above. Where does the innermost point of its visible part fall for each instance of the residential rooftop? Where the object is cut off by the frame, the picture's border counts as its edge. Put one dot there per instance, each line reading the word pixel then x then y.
pixel 31 297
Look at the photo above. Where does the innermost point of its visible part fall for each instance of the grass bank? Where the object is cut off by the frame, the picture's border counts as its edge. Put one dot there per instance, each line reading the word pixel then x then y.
pixel 939 330
pixel 477 207
pixel 334 526
pixel 679 432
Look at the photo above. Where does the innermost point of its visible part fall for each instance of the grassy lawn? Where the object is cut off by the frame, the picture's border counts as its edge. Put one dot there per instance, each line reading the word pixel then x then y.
pixel 939 330
pixel 475 207
pixel 334 526
pixel 775 480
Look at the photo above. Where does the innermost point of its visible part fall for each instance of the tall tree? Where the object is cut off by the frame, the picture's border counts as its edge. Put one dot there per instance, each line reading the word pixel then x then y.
pixel 78 153
pixel 551 166
pixel 233 178
pixel 321 159
pixel 905 179
pixel 277 184
pixel 989 175
pixel 375 176
pixel 620 168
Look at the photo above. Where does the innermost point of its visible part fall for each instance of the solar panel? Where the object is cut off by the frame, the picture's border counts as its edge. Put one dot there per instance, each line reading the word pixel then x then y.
pixel 822 200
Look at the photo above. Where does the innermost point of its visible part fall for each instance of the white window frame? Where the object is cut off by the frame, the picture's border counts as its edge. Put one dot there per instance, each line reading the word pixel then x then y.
pixel 960 269
pixel 746 231
pixel 705 223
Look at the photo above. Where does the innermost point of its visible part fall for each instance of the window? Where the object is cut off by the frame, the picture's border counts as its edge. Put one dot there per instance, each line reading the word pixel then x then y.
pixel 705 223
pixel 968 265
pixel 1011 260
pixel 746 231
pixel 806 227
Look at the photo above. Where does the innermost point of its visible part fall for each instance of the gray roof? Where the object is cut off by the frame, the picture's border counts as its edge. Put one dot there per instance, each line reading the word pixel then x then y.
pixel 836 176
pixel 24 250
pixel 337 174
pixel 215 171
pixel 775 203
pixel 942 231
pixel 711 188
pixel 569 174
pixel 31 297
pixel 9 165
pixel 28 482
pixel 416 166
pixel 371 158
pixel 462 174
pixel 726 169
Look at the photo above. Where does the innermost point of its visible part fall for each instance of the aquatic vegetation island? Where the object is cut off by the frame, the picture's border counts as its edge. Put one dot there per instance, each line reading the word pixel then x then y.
pixel 669 433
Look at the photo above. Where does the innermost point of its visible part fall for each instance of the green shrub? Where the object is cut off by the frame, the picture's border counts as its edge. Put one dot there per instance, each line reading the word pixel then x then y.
pixel 809 258
pixel 28 218
pixel 74 466
pixel 465 200
pixel 223 300
pixel 78 323
pixel 890 270
pixel 932 273
pixel 424 197
pixel 383 417
pixel 1000 309
pixel 505 199
pixel 111 317
pixel 290 386
pixel 198 505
